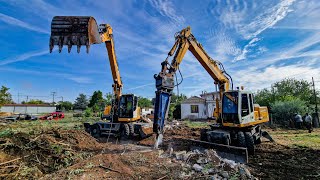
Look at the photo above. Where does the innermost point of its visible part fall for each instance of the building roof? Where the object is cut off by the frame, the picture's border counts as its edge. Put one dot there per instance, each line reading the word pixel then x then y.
pixel 29 105
pixel 209 93
pixel 193 99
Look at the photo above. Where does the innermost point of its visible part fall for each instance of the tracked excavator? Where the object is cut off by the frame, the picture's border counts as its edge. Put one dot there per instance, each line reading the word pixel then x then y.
pixel 123 116
pixel 238 119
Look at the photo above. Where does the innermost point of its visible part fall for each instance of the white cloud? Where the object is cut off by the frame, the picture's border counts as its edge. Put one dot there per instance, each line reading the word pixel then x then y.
pixel 16 22
pixel 167 9
pixel 267 19
pixel 23 57
pixel 306 16
pixel 262 22
pixel 80 80
pixel 254 80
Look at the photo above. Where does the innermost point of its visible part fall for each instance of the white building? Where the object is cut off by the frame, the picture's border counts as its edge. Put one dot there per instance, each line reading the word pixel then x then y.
pixel 147 111
pixel 28 108
pixel 199 107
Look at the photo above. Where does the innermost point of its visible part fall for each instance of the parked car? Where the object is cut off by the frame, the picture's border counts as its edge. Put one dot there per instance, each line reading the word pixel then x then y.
pixel 21 117
pixel 30 117
pixel 53 115
pixel 11 118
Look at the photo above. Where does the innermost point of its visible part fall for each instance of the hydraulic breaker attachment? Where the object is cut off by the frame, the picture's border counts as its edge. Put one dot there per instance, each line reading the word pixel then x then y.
pixel 74 30
pixel 160 115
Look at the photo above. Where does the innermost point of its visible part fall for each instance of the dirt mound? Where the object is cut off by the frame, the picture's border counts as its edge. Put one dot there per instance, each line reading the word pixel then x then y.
pixel 275 161
pixel 31 156
pixel 132 165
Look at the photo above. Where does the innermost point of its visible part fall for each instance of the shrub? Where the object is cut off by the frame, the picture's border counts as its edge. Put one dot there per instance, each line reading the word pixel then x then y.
pixel 283 111
pixel 88 112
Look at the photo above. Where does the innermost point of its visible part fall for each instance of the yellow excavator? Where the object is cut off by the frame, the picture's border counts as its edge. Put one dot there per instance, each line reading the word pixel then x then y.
pixel 238 118
pixel 124 114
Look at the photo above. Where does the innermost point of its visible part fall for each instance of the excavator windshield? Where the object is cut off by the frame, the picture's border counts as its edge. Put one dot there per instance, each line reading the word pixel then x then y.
pixel 230 107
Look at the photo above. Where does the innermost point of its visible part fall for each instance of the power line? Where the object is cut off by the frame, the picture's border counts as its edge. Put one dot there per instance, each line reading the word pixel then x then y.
pixel 53 94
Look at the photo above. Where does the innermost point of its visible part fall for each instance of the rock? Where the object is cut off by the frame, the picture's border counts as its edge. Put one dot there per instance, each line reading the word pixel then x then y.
pixel 244 172
pixel 197 167
pixel 202 160
pixel 179 155
pixel 227 167
pixel 211 171
pixel 197 151
pixel 214 158
pixel 170 151
pixel 160 152
pixel 186 156
pixel 225 174
pixel 215 177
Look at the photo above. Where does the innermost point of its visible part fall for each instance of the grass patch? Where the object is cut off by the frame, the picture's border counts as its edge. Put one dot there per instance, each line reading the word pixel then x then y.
pixel 38 126
pixel 196 124
pixel 297 138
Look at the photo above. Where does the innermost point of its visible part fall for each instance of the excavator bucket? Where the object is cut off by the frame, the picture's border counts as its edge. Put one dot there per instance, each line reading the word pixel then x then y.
pixel 74 30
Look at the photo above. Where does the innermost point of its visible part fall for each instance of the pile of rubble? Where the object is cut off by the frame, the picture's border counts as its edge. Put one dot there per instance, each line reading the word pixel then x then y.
pixel 207 163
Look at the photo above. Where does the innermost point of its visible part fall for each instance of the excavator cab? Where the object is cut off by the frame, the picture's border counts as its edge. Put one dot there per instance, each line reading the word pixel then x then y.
pixel 238 110
pixel 128 105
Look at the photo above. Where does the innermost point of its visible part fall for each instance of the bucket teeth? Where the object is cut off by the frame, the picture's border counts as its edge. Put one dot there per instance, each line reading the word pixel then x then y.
pixel 73 30
pixel 51 45
pixel 69 45
pixel 78 48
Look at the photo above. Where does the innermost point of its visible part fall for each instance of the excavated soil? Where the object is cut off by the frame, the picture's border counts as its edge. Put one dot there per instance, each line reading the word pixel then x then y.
pixel 74 154
pixel 275 161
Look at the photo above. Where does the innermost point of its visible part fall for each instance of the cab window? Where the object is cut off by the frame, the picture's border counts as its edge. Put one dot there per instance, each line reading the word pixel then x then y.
pixel 251 102
pixel 244 105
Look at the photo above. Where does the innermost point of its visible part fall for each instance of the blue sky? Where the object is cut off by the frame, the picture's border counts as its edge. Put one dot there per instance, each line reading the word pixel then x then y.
pixel 259 43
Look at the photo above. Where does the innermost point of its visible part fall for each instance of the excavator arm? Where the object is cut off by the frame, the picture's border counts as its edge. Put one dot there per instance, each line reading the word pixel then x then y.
pixel 84 31
pixel 165 79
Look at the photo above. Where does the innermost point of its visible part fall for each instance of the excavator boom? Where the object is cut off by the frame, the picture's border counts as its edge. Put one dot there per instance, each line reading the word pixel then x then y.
pixel 84 31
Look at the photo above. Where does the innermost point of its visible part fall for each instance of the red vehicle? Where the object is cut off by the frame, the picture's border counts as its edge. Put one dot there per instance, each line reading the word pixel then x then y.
pixel 53 115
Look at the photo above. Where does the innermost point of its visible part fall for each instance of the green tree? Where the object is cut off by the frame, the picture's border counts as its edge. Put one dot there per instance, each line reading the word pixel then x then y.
pixel 144 102
pixel 175 105
pixel 108 99
pixel 88 112
pixel 96 98
pixel 283 89
pixel 65 105
pixel 5 96
pixel 284 110
pixel 33 101
pixel 81 102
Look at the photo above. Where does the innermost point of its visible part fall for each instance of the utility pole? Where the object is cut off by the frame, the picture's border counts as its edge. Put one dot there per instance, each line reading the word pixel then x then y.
pixel 315 99
pixel 27 99
pixel 18 98
pixel 53 94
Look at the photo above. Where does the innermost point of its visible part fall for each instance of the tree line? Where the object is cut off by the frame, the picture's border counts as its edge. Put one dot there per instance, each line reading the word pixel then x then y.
pixel 287 97
pixel 283 98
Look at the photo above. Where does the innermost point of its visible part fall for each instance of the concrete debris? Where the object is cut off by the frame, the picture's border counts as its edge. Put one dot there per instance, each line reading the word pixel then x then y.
pixel 197 167
pixel 202 160
pixel 215 177
pixel 180 155
pixel 244 172
pixel 207 162
pixel 172 125
pixel 225 174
